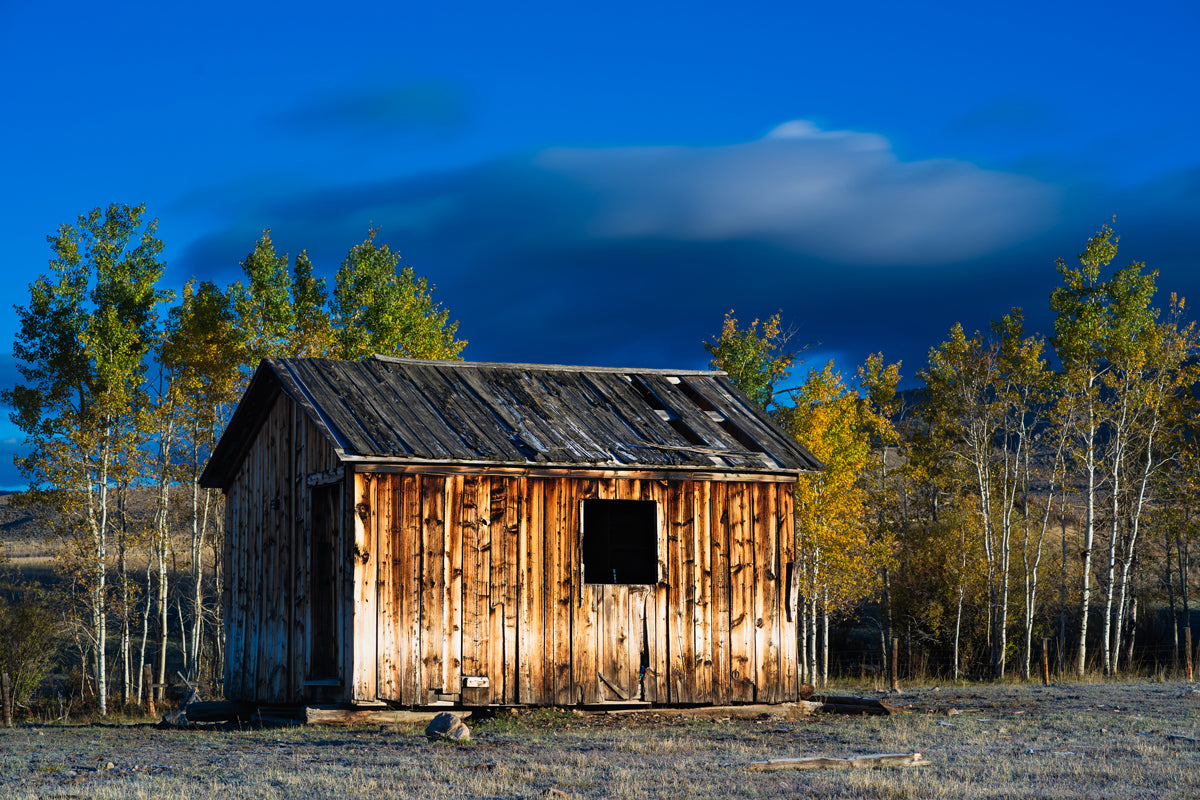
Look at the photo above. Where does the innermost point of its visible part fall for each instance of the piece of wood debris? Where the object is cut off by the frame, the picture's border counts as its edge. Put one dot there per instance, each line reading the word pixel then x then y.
pixel 331 715
pixel 1175 737
pixel 752 711
pixel 823 762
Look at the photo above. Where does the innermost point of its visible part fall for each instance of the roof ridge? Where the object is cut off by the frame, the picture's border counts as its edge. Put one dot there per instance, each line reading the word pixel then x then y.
pixel 546 367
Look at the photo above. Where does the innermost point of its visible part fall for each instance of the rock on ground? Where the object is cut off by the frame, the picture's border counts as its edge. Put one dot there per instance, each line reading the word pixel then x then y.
pixel 447 726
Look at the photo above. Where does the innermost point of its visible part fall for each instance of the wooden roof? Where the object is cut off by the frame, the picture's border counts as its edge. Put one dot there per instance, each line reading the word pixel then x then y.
pixel 408 411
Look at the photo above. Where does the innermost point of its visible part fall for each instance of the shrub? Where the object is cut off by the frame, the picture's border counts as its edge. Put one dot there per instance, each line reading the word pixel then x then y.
pixel 29 638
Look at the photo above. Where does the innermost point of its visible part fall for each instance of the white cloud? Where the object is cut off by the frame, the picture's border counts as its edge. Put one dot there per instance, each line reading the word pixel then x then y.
pixel 841 195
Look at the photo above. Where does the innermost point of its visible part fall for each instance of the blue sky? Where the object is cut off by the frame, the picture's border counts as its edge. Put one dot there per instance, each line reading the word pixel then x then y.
pixel 599 184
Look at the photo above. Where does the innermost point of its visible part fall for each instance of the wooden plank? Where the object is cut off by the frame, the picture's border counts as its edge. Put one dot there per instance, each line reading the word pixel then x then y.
pixel 433 594
pixel 336 715
pixel 410 552
pixel 277 630
pixel 588 647
pixel 855 762
pixel 603 657
pixel 766 594
pixel 679 534
pixel 532 631
pixel 344 600
pixel 298 494
pixel 643 607
pixel 257 614
pixel 657 631
pixel 452 682
pixel 242 656
pixel 788 663
pixel 363 644
pixel 608 633
pixel 585 608
pixel 512 492
pixel 234 533
pixel 226 599
pixel 469 522
pixel 483 590
pixel 387 591
pixel 235 549
pixel 549 559
pixel 702 630
pixel 566 523
pixel 280 516
pixel 741 595
pixel 755 711
pixel 719 544
pixel 628 642
pixel 477 606
pixel 497 579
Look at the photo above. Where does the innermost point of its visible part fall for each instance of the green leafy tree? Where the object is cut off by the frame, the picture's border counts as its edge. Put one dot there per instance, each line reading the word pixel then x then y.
pixel 266 314
pixel 380 307
pixel 756 358
pixel 312 332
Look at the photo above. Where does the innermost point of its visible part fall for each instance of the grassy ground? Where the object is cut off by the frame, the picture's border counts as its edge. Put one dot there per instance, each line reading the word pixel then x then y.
pixel 1096 741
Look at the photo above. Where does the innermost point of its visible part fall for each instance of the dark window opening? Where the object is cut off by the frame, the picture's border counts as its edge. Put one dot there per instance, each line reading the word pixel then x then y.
pixel 620 541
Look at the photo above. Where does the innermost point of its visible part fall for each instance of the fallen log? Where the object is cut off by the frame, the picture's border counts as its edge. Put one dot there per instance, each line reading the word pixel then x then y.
pixel 823 762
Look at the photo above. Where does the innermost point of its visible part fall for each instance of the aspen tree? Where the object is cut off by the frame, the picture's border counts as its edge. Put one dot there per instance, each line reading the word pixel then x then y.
pixel 81 352
pixel 380 307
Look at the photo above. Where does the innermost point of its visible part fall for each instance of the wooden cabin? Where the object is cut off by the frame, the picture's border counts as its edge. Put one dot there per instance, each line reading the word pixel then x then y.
pixel 429 532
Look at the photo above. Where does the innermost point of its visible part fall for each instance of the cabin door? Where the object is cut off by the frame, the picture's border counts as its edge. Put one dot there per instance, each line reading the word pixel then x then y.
pixel 622 652
pixel 322 585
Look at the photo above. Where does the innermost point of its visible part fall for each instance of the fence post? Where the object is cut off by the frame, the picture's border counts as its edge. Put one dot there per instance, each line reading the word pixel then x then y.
pixel 148 689
pixel 1045 661
pixel 6 699
pixel 1187 646
pixel 895 663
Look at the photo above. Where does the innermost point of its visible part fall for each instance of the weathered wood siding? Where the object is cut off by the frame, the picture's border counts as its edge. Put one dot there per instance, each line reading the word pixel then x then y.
pixel 468 576
pixel 266 558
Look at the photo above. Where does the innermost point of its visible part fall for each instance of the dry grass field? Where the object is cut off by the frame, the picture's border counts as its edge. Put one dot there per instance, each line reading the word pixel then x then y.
pixel 1094 741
